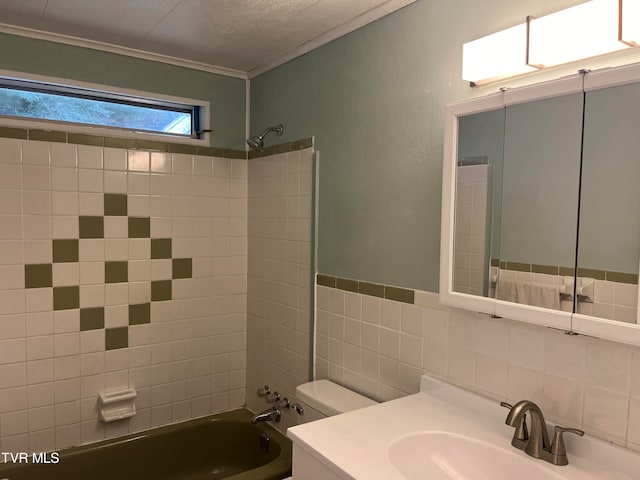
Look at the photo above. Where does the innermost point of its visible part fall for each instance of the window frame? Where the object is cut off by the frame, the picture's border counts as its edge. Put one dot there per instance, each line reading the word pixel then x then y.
pixel 201 108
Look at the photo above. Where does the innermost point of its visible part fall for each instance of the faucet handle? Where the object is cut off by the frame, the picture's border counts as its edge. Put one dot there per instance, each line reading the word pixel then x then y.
pixel 521 435
pixel 272 397
pixel 264 391
pixel 558 450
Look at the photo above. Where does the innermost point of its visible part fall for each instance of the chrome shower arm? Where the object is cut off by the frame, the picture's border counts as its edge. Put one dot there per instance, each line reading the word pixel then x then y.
pixel 278 129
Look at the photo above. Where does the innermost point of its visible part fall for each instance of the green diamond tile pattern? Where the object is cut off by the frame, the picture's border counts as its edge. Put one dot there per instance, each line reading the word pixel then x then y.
pixel 140 314
pixel 161 290
pixel 182 268
pixel 115 338
pixel 91 227
pixel 38 276
pixel 67 250
pixel 91 318
pixel 116 272
pixel 115 204
pixel 160 248
pixel 139 227
pixel 66 298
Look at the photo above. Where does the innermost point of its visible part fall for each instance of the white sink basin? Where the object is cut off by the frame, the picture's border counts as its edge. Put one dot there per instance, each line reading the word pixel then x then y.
pixel 441 433
pixel 446 456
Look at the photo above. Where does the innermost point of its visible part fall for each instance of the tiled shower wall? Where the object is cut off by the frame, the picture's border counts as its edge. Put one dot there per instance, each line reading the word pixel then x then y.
pixel 471 228
pixel 118 268
pixel 278 318
pixel 380 347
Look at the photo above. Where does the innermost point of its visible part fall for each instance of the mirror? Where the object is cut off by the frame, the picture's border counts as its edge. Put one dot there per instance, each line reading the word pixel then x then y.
pixel 540 201
pixel 609 237
pixel 516 200
pixel 541 187
pixel 478 202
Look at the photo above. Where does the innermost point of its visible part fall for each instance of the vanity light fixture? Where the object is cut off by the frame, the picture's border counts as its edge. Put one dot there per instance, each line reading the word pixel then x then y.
pixel 499 55
pixel 583 31
pixel 592 28
pixel 630 22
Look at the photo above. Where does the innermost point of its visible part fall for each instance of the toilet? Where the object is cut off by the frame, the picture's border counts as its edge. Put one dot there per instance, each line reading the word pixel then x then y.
pixel 322 398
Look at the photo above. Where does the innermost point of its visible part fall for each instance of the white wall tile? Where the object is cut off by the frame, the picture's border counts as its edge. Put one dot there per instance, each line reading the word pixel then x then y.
pixel 90 180
pixel 63 155
pixel 11 227
pixel 33 153
pixel 115 159
pixel 55 365
pixel 11 151
pixel 89 157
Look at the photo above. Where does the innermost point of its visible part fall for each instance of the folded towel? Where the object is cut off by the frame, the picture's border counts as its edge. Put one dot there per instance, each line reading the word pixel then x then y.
pixel 506 289
pixel 537 295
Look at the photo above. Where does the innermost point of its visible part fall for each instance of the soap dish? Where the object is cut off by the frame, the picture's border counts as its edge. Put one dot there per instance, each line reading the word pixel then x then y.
pixel 117 405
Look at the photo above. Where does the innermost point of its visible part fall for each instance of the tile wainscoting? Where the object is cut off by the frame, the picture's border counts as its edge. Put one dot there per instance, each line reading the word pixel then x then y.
pixel 380 347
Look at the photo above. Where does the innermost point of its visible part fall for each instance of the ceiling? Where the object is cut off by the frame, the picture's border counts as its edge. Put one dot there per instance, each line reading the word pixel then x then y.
pixel 244 36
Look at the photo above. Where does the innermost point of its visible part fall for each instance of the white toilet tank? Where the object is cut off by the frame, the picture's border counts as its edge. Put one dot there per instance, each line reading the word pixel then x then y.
pixel 323 398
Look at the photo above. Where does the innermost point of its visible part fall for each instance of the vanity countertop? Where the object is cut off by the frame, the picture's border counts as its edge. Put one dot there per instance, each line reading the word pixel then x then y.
pixel 356 445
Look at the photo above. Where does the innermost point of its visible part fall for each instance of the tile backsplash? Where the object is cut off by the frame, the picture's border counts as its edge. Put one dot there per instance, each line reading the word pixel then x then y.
pixel 380 347
pixel 118 268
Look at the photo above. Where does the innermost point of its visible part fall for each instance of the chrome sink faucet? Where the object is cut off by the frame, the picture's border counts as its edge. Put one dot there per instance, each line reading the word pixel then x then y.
pixel 536 443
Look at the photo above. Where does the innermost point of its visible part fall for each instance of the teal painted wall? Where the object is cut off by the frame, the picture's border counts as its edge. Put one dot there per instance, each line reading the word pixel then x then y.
pixel 368 102
pixel 374 100
pixel 226 94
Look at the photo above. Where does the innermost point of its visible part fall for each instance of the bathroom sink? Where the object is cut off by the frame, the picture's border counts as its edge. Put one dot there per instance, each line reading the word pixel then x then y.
pixel 444 456
pixel 441 433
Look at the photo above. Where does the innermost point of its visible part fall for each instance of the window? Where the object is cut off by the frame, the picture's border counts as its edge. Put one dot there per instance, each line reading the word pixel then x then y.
pixel 79 106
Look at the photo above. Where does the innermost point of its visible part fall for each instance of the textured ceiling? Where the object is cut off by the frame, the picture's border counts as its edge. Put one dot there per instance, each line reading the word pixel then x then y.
pixel 243 35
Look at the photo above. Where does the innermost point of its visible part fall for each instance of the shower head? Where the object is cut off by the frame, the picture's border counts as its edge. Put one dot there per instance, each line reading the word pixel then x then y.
pixel 257 142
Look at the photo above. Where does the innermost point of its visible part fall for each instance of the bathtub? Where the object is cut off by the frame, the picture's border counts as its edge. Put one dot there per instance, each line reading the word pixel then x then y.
pixel 220 446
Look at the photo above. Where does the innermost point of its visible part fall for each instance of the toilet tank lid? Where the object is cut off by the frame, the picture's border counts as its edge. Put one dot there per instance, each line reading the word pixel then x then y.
pixel 331 399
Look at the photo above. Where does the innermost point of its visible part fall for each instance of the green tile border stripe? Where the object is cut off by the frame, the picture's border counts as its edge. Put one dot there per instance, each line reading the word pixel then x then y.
pixel 283 148
pixel 119 142
pixel 10 132
pixel 621 277
pixel 389 292
pixel 618 277
pixel 139 144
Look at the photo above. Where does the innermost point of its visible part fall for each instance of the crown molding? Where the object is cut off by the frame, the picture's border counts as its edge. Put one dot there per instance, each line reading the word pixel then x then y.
pixel 361 20
pixel 130 52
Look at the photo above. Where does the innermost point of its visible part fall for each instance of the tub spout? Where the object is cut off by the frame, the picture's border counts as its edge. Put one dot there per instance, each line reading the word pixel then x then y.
pixel 272 414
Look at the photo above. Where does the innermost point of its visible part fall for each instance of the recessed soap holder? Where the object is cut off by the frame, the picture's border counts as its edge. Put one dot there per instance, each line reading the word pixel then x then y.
pixel 117 405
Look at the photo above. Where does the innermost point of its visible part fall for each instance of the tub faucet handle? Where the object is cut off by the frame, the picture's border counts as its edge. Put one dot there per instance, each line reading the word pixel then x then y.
pixel 264 391
pixel 272 397
pixel 285 404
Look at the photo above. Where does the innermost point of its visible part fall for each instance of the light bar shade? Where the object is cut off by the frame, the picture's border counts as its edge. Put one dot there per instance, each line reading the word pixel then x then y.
pixel 583 31
pixel 500 55
pixel 630 28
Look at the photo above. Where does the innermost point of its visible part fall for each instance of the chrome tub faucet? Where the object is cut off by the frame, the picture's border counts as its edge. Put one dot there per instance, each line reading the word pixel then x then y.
pixel 269 415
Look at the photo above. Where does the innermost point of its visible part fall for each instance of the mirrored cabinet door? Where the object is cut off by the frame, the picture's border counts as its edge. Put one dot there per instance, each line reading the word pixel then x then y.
pixel 609 234
pixel 478 176
pixel 540 202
